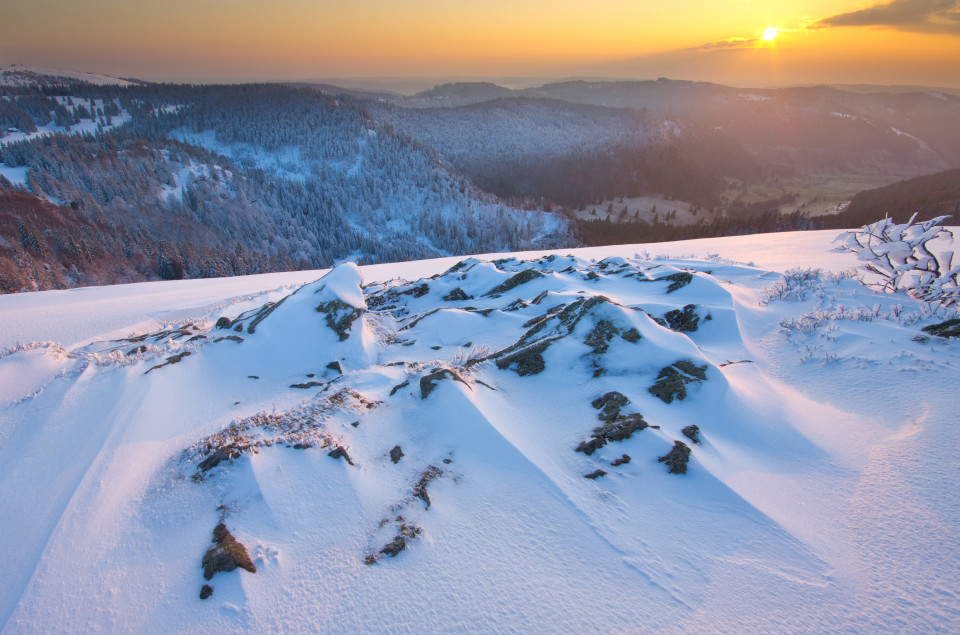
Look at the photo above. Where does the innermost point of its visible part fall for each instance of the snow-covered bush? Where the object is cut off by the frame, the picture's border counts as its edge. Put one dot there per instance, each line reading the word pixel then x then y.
pixel 798 284
pixel 900 255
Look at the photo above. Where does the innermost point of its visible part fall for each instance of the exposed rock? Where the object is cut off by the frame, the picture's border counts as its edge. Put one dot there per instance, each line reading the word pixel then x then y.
pixel 618 429
pixel 137 349
pixel 599 338
pixel 621 461
pixel 540 297
pixel 521 278
pixel 677 458
pixel 621 428
pixel 339 453
pixel 406 533
pixel 394 390
pixel 206 591
pixel 219 455
pixel 691 369
pixel 340 316
pixel 309 384
pixel 527 360
pixel 173 359
pixel 420 489
pixel 950 328
pixel 262 314
pixel 672 380
pixel 222 323
pixel 456 295
pixel 678 280
pixel 396 454
pixel 395 546
pixel 683 320
pixel 595 474
pixel 226 555
pixel 632 335
pixel 591 445
pixel 302 446
pixel 692 433
pixel 610 405
pixel 429 382
pixel 418 291
pixel 335 365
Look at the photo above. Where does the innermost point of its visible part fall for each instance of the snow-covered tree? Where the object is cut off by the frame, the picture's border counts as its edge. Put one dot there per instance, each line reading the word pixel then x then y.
pixel 902 255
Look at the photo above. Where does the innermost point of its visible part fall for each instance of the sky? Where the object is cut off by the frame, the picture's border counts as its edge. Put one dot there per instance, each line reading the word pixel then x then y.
pixel 807 41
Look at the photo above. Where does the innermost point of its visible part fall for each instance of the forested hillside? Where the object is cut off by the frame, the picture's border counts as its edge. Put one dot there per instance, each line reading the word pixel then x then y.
pixel 228 180
pixel 575 154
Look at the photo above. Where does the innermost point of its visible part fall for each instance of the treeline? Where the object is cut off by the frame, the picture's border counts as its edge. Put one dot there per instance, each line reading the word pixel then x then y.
pixel 602 232
pixel 25 109
pixel 46 246
pixel 928 196
pixel 289 177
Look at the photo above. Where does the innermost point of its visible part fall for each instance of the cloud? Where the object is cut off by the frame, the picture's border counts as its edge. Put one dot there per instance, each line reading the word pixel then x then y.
pixel 925 16
pixel 732 43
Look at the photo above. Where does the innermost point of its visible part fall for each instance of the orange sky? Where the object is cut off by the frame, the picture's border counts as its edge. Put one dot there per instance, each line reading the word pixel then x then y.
pixel 903 41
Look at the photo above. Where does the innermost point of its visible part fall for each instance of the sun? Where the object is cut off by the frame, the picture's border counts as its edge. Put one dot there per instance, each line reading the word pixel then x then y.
pixel 769 34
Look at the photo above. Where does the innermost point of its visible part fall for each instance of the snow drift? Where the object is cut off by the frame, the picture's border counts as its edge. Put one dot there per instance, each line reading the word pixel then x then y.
pixel 526 444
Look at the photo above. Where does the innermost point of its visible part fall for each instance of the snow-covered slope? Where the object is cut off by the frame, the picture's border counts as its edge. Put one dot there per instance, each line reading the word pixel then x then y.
pixel 484 446
pixel 24 75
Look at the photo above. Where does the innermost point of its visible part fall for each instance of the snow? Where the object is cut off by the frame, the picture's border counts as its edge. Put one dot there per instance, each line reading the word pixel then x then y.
pixel 285 162
pixel 753 97
pixel 19 75
pixel 818 498
pixel 16 176
pixel 86 124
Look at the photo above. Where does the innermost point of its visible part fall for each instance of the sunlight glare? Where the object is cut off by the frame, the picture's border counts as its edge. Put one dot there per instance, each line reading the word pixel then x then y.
pixel 769 34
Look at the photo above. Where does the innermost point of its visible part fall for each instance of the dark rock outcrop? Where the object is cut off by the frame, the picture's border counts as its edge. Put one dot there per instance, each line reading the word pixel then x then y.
pixel 226 555
pixel 692 433
pixel 339 453
pixel 950 328
pixel 683 320
pixel 339 316
pixel 456 295
pixel 521 278
pixel 609 405
pixel 672 380
pixel 677 458
pixel 429 381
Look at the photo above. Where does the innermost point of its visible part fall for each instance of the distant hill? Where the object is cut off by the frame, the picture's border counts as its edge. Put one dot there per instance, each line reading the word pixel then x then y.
pixel 928 196
pixel 456 94
pixel 23 75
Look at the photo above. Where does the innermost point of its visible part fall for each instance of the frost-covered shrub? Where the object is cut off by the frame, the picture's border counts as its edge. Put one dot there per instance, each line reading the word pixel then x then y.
pixel 795 286
pixel 900 255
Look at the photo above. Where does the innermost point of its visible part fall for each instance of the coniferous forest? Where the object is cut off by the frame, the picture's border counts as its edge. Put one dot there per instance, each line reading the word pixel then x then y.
pixel 110 184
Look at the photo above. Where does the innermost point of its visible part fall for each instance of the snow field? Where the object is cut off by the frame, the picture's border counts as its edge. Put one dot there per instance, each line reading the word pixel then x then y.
pixel 814 501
